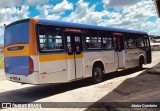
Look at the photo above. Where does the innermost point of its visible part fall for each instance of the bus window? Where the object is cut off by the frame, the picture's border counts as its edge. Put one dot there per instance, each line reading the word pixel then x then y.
pixel 131 43
pixel 146 43
pixel 69 45
pixel 139 42
pixel 108 42
pixel 93 41
pixel 50 39
pixel 126 43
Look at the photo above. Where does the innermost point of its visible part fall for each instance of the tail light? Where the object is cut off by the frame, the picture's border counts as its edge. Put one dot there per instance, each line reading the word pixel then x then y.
pixel 31 66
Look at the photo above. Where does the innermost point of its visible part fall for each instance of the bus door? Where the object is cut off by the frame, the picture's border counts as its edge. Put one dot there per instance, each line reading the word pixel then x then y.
pixel 74 49
pixel 147 49
pixel 120 52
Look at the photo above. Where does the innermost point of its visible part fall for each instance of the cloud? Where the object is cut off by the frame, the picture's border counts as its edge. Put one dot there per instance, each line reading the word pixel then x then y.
pixel 117 3
pixel 13 3
pixel 23 13
pixel 6 17
pixel 12 14
pixel 6 3
pixel 128 14
pixel 35 2
pixel 133 16
pixel 46 12
pixel 85 14
pixel 156 28
pixel 1 30
pixel 64 5
pixel 49 11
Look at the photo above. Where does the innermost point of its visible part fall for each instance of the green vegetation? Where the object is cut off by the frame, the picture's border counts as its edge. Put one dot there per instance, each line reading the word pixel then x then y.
pixel 1 62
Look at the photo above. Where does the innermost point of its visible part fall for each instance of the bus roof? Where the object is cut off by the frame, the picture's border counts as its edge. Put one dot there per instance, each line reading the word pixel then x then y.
pixel 86 26
pixel 78 25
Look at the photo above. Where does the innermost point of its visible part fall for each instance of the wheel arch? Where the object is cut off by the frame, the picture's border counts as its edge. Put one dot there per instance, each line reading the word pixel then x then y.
pixel 98 62
pixel 141 56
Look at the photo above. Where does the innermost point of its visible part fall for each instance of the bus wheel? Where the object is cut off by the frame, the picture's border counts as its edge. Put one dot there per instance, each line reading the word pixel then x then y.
pixel 97 74
pixel 141 61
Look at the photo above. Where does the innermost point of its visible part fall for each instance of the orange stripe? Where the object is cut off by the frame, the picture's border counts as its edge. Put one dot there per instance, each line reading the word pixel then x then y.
pixel 55 57
pixel 133 51
pixel 33 40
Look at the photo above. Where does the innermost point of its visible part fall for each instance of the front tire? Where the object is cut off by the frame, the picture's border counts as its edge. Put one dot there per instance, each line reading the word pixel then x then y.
pixel 141 61
pixel 97 74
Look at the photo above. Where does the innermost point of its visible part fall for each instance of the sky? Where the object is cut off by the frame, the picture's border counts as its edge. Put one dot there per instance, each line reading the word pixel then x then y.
pixel 127 14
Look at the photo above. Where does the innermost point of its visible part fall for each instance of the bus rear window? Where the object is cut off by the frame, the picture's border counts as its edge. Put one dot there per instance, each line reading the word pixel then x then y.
pixel 17 34
pixel 50 39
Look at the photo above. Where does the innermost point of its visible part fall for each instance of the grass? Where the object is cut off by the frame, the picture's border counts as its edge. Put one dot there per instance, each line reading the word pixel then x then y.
pixel 1 62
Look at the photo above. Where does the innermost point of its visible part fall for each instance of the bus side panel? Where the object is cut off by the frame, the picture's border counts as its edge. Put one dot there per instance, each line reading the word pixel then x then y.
pixel 108 58
pixel 53 68
pixel 132 57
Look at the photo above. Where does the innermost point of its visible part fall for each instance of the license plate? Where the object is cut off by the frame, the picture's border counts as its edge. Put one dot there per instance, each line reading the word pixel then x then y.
pixel 15 78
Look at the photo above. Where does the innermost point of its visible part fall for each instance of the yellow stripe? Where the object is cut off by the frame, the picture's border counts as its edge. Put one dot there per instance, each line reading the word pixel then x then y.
pixel 55 57
pixel 133 51
pixel 23 52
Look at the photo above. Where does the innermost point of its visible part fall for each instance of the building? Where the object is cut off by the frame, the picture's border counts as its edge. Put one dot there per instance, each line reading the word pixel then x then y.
pixel 155 39
pixel 155 42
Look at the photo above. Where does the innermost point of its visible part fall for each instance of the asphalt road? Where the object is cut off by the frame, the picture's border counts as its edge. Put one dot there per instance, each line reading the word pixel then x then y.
pixel 129 85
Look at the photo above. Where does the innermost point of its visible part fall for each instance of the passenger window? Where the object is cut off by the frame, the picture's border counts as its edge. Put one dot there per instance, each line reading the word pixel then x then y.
pixel 140 42
pixel 146 42
pixel 93 40
pixel 108 42
pixel 126 44
pixel 131 43
pixel 50 38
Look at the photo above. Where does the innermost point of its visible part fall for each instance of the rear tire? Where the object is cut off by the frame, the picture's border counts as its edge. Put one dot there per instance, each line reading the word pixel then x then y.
pixel 97 74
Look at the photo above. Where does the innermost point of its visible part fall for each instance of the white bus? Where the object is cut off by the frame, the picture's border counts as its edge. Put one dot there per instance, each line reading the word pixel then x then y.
pixel 39 51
